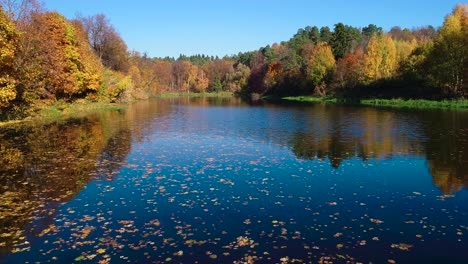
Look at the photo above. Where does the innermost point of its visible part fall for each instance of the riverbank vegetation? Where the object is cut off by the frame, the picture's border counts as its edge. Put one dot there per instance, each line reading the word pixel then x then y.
pixel 46 58
pixel 398 102
pixel 217 94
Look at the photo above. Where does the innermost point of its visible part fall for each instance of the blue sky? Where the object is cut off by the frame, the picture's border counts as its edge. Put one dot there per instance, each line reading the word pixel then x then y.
pixel 224 27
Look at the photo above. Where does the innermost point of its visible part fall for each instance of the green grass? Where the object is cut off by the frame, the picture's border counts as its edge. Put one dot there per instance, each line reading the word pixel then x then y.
pixel 79 108
pixel 401 103
pixel 416 103
pixel 171 95
pixel 310 99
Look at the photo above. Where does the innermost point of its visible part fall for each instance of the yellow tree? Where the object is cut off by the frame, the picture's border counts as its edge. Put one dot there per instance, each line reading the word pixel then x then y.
pixel 8 45
pixel 404 49
pixel 192 74
pixel 181 74
pixel 449 55
pixel 201 81
pixel 135 73
pixel 88 65
pixel 465 44
pixel 163 75
pixel 55 60
pixel 389 56
pixel 380 60
pixel 138 90
pixel 80 72
pixel 372 59
pixel 320 67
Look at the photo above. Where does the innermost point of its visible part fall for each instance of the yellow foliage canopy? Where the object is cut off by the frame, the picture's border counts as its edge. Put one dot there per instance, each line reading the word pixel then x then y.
pixel 321 63
pixel 381 58
pixel 8 43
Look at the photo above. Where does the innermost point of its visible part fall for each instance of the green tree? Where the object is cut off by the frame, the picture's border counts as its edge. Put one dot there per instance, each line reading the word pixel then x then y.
pixel 325 34
pixel 343 38
pixel 340 41
pixel 217 85
pixel 414 68
pixel 370 30
pixel 314 34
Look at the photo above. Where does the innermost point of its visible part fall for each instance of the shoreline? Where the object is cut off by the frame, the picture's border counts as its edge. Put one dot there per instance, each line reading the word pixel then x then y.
pixel 172 95
pixel 394 103
pixel 61 111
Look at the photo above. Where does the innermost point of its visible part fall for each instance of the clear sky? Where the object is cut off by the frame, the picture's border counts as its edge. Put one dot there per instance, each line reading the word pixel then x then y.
pixel 225 27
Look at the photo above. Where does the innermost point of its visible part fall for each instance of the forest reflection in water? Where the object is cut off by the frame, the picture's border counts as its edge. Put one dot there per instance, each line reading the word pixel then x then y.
pixel 45 165
pixel 441 137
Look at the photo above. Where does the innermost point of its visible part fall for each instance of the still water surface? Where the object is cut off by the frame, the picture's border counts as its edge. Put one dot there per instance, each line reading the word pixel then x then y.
pixel 215 180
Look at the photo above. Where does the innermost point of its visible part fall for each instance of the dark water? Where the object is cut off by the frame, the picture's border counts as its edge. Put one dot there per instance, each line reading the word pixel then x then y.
pixel 220 181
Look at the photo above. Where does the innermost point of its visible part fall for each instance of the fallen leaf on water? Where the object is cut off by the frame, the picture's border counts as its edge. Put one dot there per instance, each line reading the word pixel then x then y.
pixel 402 246
pixel 376 221
pixel 337 235
pixel 80 258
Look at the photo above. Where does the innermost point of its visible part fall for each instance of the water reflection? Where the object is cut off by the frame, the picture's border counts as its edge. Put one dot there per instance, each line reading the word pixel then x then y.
pixel 211 142
pixel 446 148
pixel 45 165
pixel 336 134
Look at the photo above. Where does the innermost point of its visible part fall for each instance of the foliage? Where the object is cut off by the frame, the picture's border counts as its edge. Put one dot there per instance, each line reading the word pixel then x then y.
pixel 8 48
pixel 448 58
pixel 343 39
pixel 106 42
pixel 347 73
pixel 54 60
pixel 380 60
pixel 114 85
pixel 320 67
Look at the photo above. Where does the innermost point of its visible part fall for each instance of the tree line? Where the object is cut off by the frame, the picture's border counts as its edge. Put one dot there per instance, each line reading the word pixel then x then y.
pixel 45 57
pixel 368 62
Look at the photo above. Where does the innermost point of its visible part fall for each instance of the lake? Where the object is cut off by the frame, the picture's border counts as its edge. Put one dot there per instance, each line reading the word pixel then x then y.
pixel 218 180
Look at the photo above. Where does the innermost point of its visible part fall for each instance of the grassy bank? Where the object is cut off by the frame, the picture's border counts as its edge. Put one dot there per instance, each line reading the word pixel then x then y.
pixel 416 103
pixel 170 95
pixel 76 109
pixel 399 103
pixel 61 110
pixel 310 99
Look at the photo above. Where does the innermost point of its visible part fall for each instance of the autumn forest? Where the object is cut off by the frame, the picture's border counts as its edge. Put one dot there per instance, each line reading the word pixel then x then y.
pixel 45 58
